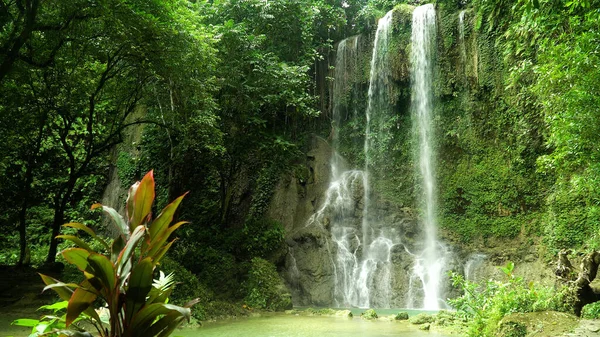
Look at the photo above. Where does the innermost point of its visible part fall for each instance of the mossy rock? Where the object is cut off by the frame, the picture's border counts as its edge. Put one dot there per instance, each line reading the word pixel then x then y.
pixel 311 311
pixel 425 326
pixel 444 318
pixel 293 312
pixel 511 329
pixel 422 318
pixel 401 316
pixel 326 312
pixel 540 323
pixel 344 313
pixel 369 314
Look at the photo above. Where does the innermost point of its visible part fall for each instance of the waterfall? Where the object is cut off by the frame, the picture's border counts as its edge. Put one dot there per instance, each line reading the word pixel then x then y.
pixel 361 247
pixel 364 236
pixel 430 263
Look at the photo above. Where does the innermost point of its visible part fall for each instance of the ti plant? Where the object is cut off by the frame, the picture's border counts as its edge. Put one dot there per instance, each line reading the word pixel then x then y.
pixel 122 278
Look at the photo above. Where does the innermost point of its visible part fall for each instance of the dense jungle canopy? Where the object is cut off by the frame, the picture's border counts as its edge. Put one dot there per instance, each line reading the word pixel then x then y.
pixel 222 98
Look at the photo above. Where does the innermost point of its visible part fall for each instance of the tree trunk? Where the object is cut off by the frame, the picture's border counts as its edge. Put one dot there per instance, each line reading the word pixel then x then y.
pixel 60 206
pixel 23 231
pixel 59 220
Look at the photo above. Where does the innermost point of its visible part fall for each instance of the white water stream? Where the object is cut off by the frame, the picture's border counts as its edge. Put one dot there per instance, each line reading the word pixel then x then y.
pixel 362 246
pixel 429 265
pixel 362 258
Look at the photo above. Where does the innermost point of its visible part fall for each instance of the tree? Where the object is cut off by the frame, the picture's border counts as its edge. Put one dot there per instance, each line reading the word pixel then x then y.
pixel 82 72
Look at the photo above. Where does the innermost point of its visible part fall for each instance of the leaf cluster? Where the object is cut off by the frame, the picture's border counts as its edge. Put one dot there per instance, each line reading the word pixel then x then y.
pixel 121 274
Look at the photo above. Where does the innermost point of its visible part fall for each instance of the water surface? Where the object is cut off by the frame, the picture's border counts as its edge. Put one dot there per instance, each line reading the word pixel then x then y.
pixel 280 325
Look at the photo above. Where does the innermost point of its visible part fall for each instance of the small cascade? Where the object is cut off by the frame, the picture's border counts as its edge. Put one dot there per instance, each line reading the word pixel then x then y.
pixel 461 37
pixel 473 263
pixel 429 265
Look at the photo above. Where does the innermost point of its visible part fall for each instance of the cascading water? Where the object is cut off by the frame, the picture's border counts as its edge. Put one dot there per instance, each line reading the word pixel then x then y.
pixel 429 265
pixel 362 242
pixel 362 247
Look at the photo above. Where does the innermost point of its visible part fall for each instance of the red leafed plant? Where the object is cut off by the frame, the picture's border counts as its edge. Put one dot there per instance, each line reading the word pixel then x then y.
pixel 122 277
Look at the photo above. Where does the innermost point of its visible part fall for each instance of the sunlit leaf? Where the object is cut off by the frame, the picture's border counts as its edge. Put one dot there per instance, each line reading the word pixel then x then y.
pixel 143 199
pixel 81 300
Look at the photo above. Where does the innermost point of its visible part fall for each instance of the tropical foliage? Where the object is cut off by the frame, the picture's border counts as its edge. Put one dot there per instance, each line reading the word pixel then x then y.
pixel 120 273
pixel 483 306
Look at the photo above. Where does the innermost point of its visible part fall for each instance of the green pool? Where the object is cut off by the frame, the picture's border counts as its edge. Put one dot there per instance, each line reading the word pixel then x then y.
pixel 280 325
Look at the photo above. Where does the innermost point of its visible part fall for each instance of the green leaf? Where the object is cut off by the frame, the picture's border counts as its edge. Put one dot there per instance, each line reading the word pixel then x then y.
pixel 142 200
pixel 61 289
pixel 139 285
pixel 165 325
pixel 161 288
pixel 105 271
pixel 149 313
pixel 81 300
pixel 76 241
pixel 77 257
pixel 55 306
pixel 89 231
pixel 25 322
pixel 119 222
pixel 125 254
pixel 61 285
pixel 116 248
pixel 157 242
pixel 130 203
pixel 161 252
pixel 164 219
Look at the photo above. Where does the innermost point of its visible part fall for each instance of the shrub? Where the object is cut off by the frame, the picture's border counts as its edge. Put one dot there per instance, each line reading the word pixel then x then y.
pixel 188 287
pixel 483 306
pixel 421 318
pixel 591 311
pixel 265 288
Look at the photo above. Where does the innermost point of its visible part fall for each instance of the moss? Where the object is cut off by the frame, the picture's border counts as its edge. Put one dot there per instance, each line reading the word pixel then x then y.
pixel 401 316
pixel 327 312
pixel 421 318
pixel 344 313
pixel 369 314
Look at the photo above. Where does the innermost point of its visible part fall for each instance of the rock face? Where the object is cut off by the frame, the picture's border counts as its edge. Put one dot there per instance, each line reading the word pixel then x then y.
pixel 308 268
pixel 464 69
